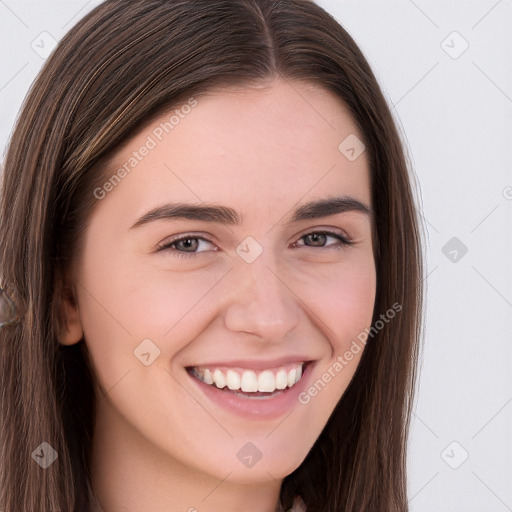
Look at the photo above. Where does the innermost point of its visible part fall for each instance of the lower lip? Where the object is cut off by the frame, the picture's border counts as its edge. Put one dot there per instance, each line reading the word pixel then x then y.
pixel 257 408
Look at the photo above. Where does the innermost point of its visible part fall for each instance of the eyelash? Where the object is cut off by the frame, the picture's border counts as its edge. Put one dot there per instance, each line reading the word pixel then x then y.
pixel 182 254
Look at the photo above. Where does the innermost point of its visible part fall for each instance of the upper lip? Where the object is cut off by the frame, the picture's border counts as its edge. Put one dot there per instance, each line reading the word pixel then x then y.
pixel 257 364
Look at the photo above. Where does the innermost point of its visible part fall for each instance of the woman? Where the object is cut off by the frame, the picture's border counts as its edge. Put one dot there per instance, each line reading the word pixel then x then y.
pixel 209 234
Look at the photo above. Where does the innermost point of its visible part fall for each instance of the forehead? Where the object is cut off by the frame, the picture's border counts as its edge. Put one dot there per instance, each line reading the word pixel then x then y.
pixel 259 147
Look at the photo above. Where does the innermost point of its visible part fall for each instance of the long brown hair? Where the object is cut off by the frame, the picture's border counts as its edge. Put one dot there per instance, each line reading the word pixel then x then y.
pixel 119 66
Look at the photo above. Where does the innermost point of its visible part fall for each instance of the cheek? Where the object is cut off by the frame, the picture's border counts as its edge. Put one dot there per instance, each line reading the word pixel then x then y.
pixel 343 302
pixel 349 303
pixel 342 298
pixel 123 302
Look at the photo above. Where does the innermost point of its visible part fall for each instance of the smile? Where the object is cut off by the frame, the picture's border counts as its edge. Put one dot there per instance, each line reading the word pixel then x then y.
pixel 250 381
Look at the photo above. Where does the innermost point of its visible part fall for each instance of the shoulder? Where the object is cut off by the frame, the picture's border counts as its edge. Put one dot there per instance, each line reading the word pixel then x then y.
pixel 298 505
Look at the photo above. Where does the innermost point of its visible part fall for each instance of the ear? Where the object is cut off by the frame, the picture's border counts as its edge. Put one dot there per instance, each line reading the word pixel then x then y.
pixel 69 324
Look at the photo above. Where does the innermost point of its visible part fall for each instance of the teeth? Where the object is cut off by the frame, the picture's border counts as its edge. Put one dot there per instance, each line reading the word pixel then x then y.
pixel 291 377
pixel 248 381
pixel 266 381
pixel 207 377
pixel 281 379
pixel 219 379
pixel 232 379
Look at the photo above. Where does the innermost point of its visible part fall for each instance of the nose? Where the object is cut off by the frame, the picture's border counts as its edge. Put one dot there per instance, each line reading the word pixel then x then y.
pixel 261 301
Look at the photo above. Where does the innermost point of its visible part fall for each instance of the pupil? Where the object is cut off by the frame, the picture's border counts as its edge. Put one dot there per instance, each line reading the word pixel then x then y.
pixel 189 243
pixel 315 237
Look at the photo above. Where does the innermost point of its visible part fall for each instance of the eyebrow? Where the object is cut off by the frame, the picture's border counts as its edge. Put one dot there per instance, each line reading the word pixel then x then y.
pixel 225 215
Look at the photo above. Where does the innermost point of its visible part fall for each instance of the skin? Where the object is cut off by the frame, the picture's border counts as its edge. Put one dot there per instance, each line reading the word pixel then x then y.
pixel 159 443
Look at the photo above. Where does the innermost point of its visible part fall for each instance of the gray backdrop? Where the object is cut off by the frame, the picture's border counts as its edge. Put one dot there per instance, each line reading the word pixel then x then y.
pixel 446 69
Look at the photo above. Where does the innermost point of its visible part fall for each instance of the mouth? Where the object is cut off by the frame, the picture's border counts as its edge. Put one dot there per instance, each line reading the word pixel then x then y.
pixel 248 383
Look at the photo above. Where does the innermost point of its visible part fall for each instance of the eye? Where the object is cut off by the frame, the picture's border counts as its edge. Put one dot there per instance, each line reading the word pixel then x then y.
pixel 188 246
pixel 184 247
pixel 319 239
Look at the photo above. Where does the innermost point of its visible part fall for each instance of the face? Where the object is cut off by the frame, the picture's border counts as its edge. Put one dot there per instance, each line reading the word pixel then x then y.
pixel 266 278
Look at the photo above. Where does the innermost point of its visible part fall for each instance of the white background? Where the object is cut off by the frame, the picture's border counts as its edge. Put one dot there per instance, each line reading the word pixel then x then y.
pixel 455 111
